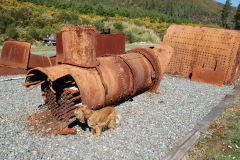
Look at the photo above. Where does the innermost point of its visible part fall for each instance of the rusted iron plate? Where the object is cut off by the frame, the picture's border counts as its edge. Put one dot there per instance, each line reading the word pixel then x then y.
pixel 208 76
pixel 110 44
pixel 198 46
pixel 79 46
pixel 5 70
pixel 15 54
pixel 40 61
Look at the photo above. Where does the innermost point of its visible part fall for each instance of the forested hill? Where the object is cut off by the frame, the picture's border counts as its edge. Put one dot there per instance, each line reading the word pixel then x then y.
pixel 204 11
pixel 30 20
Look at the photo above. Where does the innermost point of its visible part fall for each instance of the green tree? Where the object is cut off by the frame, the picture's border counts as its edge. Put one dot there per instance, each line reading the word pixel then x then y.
pixel 237 18
pixel 226 11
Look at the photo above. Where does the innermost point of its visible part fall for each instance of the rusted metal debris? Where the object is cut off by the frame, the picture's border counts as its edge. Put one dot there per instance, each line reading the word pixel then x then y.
pixel 17 59
pixel 213 50
pixel 44 122
pixel 208 76
pixel 96 83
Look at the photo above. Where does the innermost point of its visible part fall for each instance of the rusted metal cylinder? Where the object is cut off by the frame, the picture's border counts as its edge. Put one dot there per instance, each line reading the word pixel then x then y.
pixel 115 79
pixel 79 45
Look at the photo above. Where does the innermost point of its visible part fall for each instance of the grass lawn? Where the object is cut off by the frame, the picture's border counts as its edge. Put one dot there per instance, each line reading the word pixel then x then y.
pixel 222 139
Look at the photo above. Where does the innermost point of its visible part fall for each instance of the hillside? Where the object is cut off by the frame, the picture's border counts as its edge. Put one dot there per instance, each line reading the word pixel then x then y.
pixel 30 20
pixel 204 11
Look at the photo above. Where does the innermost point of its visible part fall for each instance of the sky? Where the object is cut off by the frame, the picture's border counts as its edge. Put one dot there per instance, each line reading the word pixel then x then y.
pixel 234 2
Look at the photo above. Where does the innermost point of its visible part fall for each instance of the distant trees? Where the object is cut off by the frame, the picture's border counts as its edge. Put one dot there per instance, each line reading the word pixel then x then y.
pixel 225 17
pixel 237 18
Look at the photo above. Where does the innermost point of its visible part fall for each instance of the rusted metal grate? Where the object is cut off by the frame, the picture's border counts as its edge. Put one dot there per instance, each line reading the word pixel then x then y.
pixel 209 48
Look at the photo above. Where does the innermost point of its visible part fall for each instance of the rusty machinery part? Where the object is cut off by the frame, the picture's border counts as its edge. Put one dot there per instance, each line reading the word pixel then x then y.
pixel 209 48
pixel 79 46
pixel 116 79
pixel 15 54
pixel 153 59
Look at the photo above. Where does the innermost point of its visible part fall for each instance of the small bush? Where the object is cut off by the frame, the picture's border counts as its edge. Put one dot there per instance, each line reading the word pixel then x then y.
pixel 118 26
pixel 98 24
pixel 130 37
pixel 85 21
pixel 12 32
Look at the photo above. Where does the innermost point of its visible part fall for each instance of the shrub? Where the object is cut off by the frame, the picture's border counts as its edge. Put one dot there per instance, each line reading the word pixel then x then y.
pixel 33 33
pixel 98 24
pixel 130 37
pixel 47 30
pixel 118 26
pixel 12 32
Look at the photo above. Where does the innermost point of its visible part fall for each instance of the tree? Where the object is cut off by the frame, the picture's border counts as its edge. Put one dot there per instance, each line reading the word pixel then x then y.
pixel 237 18
pixel 226 11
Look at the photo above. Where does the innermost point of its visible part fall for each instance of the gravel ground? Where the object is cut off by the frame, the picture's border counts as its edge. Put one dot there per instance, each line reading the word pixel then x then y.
pixel 151 124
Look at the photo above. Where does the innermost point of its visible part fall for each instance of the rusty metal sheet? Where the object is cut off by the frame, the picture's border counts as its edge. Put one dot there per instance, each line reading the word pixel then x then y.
pixel 6 70
pixel 79 46
pixel 110 44
pixel 40 61
pixel 15 54
pixel 59 47
pixel 208 76
pixel 202 47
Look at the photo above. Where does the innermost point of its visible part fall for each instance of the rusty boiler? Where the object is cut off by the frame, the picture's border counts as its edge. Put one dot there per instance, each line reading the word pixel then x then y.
pixel 81 78
pixel 204 54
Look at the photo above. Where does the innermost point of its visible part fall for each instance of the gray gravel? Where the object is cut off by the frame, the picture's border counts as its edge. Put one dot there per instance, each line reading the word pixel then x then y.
pixel 151 124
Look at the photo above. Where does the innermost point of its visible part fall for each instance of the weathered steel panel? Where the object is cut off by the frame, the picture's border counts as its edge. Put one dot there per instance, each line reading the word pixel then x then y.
pixel 79 46
pixel 40 61
pixel 15 54
pixel 208 76
pixel 110 44
pixel 208 48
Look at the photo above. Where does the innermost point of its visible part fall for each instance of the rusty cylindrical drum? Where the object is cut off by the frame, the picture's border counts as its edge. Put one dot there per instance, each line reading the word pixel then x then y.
pixel 79 45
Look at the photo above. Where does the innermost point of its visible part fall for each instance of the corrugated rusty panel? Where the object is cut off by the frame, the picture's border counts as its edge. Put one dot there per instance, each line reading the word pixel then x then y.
pixel 79 46
pixel 15 54
pixel 5 70
pixel 208 76
pixel 110 44
pixel 208 48
pixel 39 61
